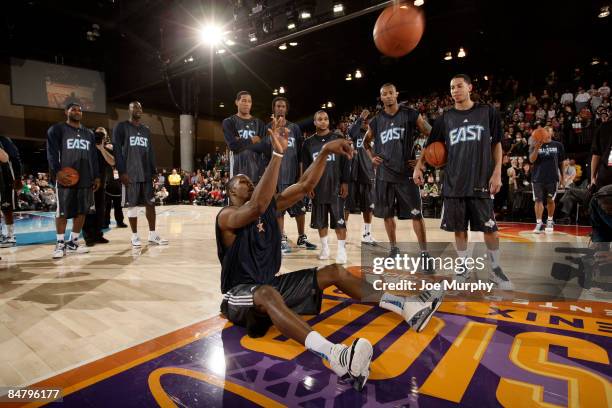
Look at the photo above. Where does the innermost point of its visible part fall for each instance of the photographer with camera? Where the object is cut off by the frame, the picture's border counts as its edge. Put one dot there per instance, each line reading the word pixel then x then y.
pixel 94 222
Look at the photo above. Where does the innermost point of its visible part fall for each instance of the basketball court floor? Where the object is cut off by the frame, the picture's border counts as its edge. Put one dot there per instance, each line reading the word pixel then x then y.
pixel 120 327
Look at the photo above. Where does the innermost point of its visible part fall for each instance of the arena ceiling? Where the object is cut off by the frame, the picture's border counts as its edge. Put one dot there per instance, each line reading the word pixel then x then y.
pixel 143 45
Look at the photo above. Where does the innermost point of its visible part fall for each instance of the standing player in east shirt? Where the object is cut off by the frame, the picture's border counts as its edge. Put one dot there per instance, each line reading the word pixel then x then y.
pixel 243 135
pixel 396 194
pixel 70 144
pixel 472 133
pixel 362 179
pixel 329 194
pixel 290 173
pixel 135 161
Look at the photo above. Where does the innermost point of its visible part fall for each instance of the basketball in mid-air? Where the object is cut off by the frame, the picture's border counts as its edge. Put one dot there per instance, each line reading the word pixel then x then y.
pixel 540 134
pixel 399 29
pixel 435 154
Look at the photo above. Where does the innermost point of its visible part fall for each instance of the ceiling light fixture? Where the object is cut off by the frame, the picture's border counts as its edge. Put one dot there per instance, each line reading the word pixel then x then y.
pixel 461 53
pixel 448 56
pixel 293 43
pixel 419 3
pixel 211 34
pixel 358 74
pixel 604 12
pixel 349 77
pixel 283 46
pixel 338 9
pixel 281 90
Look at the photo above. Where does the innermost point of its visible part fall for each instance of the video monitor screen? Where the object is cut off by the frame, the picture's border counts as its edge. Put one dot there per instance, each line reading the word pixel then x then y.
pixel 46 85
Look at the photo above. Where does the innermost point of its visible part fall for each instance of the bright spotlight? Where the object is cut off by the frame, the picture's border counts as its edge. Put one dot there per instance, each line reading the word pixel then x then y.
pixel 211 34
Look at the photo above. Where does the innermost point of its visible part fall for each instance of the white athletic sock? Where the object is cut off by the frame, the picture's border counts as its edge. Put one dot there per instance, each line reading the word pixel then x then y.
pixel 74 236
pixel 341 245
pixel 3 226
pixel 366 228
pixel 494 257
pixel 550 219
pixel 538 221
pixel 318 344
pixel 152 234
pixel 324 241
pixel 134 235
pixel 392 303
pixel 60 237
pixel 10 230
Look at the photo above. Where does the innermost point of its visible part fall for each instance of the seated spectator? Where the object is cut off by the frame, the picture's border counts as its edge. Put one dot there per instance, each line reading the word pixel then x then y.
pixel 569 174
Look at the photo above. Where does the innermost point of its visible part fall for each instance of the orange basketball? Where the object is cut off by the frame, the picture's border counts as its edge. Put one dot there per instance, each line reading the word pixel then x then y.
pixel 398 29
pixel 435 154
pixel 540 134
pixel 67 176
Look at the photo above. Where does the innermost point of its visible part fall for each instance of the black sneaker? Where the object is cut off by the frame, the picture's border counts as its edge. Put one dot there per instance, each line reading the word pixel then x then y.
pixel 102 240
pixel 122 225
pixel 428 267
pixel 394 252
pixel 303 242
pixel 73 247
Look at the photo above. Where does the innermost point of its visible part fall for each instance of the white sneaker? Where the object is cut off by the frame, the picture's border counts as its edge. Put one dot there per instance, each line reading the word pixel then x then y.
pixel 156 239
pixel 136 242
pixel 538 229
pixel 324 254
pixel 8 242
pixel 73 247
pixel 367 239
pixel 60 250
pixel 354 361
pixel 498 277
pixel 418 310
pixel 550 227
pixel 341 257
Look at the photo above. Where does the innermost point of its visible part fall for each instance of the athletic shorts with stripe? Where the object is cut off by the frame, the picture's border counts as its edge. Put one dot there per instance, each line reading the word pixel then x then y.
pixel 8 198
pixel 328 215
pixel 137 194
pixel 543 191
pixel 360 197
pixel 300 291
pixel 459 212
pixel 397 200
pixel 73 201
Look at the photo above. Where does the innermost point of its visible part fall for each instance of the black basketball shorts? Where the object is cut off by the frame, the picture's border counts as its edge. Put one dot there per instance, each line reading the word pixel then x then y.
pixel 458 213
pixel 300 291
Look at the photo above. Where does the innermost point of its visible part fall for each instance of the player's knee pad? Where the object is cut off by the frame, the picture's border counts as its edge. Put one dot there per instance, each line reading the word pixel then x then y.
pixel 132 212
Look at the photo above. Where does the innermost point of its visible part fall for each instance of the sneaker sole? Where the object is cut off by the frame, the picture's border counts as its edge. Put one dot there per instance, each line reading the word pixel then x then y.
pixel 305 247
pixel 420 325
pixel 58 256
pixel 360 374
pixel 158 243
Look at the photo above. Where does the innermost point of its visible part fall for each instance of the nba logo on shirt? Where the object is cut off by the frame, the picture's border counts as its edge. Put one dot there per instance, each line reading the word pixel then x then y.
pixel 138 141
pixel 391 134
pixel 77 144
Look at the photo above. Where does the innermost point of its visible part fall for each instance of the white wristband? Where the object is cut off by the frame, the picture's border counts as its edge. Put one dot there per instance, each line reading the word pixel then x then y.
pixel 277 154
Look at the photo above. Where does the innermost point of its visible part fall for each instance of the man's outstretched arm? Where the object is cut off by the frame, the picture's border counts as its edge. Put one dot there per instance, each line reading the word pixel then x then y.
pixel 313 173
pixel 238 217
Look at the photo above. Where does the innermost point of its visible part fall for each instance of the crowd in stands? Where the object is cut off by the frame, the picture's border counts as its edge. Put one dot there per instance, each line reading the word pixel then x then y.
pixel 205 186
